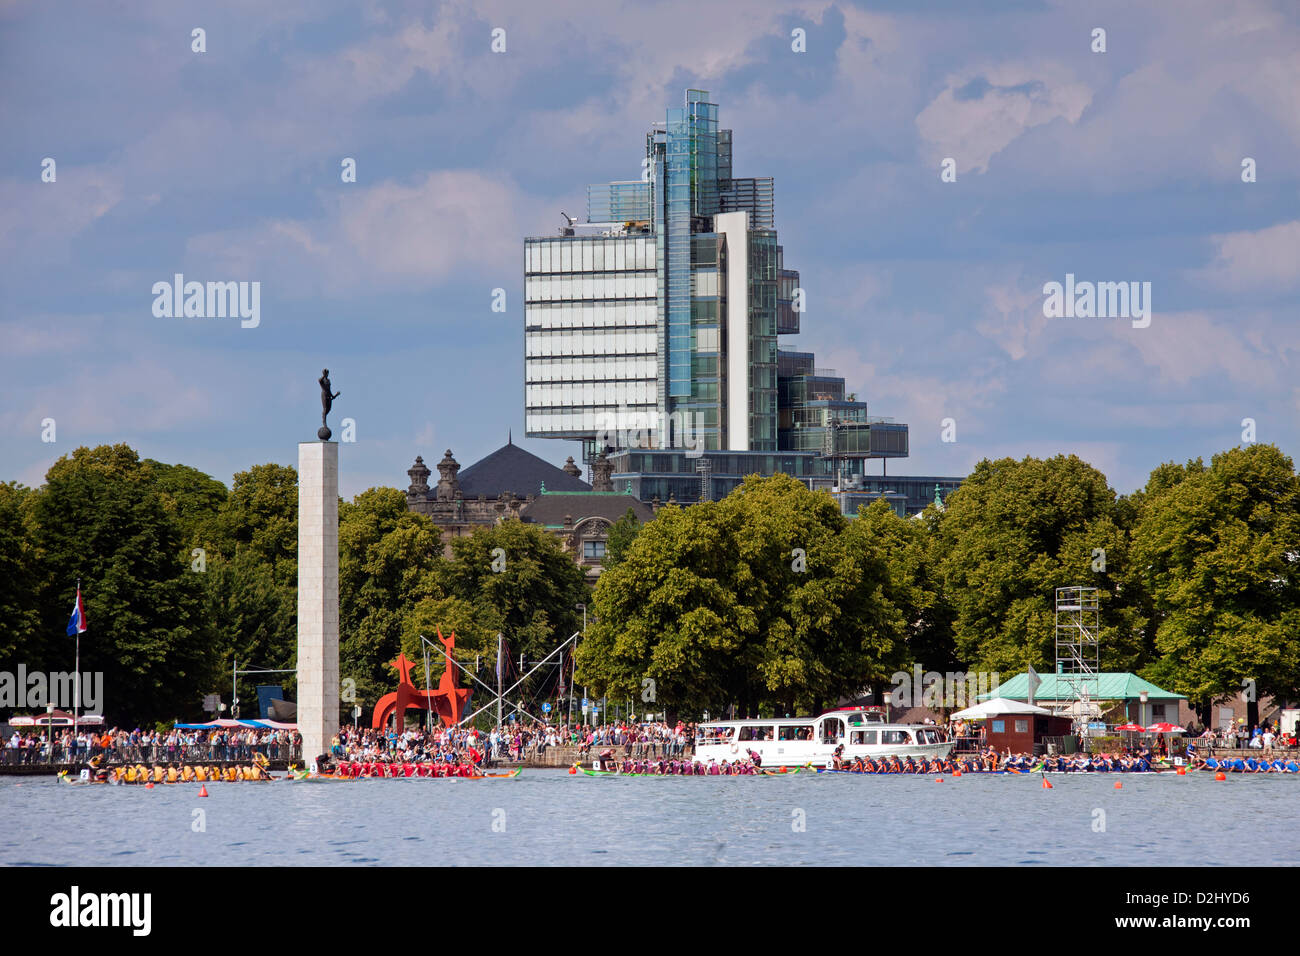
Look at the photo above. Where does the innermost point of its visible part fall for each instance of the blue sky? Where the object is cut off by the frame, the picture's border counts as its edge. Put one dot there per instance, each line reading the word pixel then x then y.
pixel 927 296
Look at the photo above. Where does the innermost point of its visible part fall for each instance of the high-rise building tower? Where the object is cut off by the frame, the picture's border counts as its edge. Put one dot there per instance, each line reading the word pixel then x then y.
pixel 654 325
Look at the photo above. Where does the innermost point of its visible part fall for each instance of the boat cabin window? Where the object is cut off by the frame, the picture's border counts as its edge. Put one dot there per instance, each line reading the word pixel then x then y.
pixel 832 729
pixel 895 737
pixel 862 736
pixel 755 734
pixel 794 732
pixel 715 735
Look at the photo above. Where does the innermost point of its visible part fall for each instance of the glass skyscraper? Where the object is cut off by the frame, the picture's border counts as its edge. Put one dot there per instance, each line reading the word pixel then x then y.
pixel 654 326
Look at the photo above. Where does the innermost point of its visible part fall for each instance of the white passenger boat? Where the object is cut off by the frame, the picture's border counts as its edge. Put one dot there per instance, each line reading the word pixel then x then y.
pixel 798 741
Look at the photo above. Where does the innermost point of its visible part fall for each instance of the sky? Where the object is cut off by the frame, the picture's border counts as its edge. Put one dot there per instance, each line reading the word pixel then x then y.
pixel 225 164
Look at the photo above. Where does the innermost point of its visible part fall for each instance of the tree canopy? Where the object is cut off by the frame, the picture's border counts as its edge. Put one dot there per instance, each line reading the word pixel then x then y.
pixel 769 600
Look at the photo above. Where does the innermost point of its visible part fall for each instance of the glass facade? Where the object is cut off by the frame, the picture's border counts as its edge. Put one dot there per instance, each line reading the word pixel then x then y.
pixel 755 196
pixel 690 193
pixel 763 270
pixel 673 475
pixel 590 334
pixel 618 202
pixel 632 321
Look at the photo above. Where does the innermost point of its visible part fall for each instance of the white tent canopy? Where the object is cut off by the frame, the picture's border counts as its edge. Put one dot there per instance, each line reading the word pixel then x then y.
pixel 997 707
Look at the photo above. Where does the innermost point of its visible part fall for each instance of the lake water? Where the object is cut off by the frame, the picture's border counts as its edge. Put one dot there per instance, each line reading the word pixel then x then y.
pixel 547 817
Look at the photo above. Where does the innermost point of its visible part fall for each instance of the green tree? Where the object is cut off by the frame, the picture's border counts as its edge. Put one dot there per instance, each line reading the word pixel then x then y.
pixel 475 625
pixel 1012 534
pixel 248 616
pixel 621 535
pixel 1219 551
pixel 520 573
pixel 820 596
pixel 100 518
pixel 260 515
pixel 906 547
pixel 760 600
pixel 251 582
pixel 18 608
pixel 192 498
pixel 669 612
pixel 388 556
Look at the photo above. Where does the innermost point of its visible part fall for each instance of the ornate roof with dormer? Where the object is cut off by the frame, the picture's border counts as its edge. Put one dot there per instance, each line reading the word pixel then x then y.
pixel 554 507
pixel 511 468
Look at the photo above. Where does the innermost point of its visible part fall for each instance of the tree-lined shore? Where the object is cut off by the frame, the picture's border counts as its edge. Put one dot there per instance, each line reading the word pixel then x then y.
pixel 769 599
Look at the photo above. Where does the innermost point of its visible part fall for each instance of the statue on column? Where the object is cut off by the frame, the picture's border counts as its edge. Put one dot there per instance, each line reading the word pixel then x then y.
pixel 326 403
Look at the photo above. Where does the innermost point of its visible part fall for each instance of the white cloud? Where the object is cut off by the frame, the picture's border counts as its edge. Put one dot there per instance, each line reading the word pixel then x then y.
pixel 1183 347
pixel 446 224
pixel 1013 317
pixel 981 112
pixel 1245 261
pixel 40 218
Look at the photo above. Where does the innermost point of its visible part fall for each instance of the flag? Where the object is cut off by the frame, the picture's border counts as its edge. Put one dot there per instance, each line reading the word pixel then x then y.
pixel 77 624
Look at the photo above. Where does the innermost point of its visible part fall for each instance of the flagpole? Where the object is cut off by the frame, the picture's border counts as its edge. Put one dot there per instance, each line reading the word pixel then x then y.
pixel 76 688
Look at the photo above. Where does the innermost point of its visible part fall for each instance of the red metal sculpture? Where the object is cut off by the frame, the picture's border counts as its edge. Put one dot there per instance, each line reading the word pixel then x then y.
pixel 448 701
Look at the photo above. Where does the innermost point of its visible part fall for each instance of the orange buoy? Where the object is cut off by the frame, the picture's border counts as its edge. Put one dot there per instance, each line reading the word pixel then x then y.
pixel 203 791
pixel 1220 776
pixel 956 773
pixel 1047 784
pixel 1182 771
pixel 573 770
pixel 149 785
pixel 1118 785
pixel 938 779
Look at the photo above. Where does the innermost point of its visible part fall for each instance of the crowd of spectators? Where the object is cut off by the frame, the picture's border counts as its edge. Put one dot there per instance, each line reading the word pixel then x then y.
pixel 514 741
pixel 149 746
pixel 1266 737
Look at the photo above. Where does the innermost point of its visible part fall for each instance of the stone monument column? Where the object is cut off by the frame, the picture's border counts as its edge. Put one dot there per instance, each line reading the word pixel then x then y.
pixel 318 595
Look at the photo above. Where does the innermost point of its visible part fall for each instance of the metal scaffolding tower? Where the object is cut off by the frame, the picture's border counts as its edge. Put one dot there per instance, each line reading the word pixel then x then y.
pixel 704 466
pixel 1078 624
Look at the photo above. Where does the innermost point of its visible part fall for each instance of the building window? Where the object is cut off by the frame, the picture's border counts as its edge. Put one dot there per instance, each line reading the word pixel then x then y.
pixel 593 550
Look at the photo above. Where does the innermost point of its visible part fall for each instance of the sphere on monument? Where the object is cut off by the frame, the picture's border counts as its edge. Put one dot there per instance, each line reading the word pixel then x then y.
pixel 323 433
